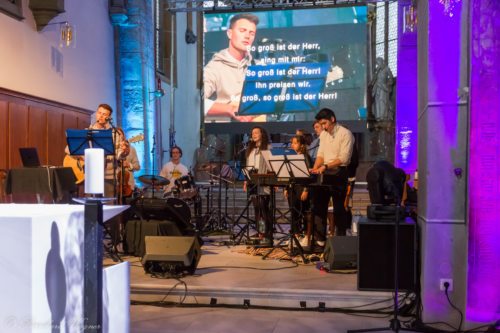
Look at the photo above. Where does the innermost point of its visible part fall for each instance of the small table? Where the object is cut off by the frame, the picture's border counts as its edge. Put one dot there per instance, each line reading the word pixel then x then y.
pixel 57 183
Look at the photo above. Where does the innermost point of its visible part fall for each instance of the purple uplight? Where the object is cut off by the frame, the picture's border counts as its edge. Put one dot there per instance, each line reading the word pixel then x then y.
pixel 406 121
pixel 483 288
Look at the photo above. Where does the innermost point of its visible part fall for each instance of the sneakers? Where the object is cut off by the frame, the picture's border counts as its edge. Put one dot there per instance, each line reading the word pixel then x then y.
pixel 303 241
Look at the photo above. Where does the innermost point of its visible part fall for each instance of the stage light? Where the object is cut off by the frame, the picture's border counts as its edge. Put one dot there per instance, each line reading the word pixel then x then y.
pixel 385 187
pixel 385 183
pixel 213 301
pixel 303 304
pixel 158 93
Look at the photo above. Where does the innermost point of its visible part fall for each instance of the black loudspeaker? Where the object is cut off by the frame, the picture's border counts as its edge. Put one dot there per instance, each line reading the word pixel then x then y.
pixel 171 255
pixel 341 252
pixel 377 254
pixel 137 230
pixel 172 209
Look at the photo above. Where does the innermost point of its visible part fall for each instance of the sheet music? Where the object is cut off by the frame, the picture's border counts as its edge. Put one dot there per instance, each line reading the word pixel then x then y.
pixel 280 165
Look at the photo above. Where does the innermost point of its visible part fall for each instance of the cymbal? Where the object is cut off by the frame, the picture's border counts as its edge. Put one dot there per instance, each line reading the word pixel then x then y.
pixel 154 180
pixel 207 167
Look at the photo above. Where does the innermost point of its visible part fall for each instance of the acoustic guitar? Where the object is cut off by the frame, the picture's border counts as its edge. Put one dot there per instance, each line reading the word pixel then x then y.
pixel 77 164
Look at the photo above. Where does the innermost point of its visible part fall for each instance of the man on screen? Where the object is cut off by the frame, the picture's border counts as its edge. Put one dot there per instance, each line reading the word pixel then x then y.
pixel 224 75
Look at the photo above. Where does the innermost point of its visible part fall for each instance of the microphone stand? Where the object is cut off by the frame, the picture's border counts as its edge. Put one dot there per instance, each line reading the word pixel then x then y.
pixel 219 196
pixel 153 149
pixel 113 128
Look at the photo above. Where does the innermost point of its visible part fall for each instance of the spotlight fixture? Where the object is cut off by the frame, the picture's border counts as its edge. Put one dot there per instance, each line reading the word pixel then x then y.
pixel 159 92
pixel 213 301
pixel 303 304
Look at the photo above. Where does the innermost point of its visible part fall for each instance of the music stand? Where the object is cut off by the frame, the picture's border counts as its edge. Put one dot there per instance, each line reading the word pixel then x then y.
pixel 244 231
pixel 287 165
pixel 79 140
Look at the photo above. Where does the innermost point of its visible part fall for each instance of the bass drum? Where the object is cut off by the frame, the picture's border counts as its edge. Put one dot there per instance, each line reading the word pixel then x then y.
pixel 178 211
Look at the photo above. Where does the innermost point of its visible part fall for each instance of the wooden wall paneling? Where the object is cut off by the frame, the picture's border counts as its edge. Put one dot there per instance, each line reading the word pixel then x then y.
pixel 83 121
pixel 22 122
pixel 57 137
pixel 70 120
pixel 37 132
pixel 18 132
pixel 4 135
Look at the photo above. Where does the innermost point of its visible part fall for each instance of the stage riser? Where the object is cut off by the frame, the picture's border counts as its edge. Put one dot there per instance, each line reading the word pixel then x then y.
pixel 263 297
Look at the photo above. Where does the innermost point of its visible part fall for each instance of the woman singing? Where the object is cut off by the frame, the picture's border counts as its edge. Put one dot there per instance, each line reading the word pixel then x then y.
pixel 261 194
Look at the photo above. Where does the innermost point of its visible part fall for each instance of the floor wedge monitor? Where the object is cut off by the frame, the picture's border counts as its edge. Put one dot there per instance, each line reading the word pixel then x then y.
pixel 341 252
pixel 171 255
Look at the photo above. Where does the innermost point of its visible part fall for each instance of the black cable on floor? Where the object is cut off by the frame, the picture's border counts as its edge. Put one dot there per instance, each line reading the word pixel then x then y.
pixel 446 286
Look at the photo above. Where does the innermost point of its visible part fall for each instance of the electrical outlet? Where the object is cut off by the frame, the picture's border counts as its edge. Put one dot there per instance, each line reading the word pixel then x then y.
pixel 443 281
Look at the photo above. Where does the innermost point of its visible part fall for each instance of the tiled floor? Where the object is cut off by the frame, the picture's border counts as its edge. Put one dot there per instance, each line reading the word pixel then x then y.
pixel 148 319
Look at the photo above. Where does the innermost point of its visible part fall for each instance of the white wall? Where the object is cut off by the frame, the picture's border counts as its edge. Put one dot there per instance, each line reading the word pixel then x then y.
pixel 87 76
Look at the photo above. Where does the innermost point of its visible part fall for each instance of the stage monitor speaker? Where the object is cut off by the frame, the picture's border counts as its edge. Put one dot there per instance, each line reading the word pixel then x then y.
pixel 341 252
pixel 377 254
pixel 171 255
pixel 137 230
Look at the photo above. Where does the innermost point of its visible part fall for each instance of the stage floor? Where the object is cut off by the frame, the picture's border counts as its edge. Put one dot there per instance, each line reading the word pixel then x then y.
pixel 231 276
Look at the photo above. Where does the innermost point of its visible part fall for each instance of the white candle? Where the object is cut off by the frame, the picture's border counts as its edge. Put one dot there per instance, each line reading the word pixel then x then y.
pixel 94 171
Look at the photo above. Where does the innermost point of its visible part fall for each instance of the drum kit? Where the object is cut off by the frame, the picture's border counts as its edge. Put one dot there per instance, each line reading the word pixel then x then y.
pixel 185 196
pixel 184 199
pixel 153 203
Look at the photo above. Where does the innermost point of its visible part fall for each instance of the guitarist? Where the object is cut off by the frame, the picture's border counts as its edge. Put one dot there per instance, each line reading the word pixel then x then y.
pixel 131 162
pixel 103 121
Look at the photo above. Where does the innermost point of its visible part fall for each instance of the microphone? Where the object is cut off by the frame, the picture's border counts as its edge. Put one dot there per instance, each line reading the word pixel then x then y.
pixel 109 119
pixel 311 148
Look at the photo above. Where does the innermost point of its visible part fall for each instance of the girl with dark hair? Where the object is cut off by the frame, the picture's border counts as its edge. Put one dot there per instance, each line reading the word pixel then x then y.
pixel 259 141
pixel 299 202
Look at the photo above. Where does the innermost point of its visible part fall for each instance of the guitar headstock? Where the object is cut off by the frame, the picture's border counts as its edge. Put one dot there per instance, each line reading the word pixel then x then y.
pixel 136 138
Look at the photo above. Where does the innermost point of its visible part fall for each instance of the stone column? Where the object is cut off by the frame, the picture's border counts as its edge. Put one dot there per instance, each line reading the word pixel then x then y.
pixel 136 73
pixel 443 69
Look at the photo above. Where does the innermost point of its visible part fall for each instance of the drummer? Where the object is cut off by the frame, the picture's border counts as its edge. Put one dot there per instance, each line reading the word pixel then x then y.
pixel 173 169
